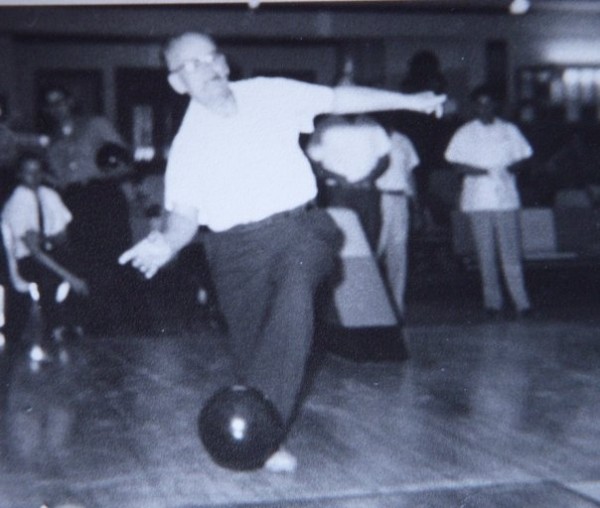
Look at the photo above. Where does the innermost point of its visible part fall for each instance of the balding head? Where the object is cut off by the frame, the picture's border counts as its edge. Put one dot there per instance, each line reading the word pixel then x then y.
pixel 188 43
pixel 197 68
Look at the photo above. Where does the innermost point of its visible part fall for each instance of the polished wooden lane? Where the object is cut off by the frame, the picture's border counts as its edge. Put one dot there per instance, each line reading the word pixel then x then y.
pixel 488 414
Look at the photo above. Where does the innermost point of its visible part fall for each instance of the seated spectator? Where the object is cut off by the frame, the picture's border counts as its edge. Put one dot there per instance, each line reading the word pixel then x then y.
pixel 34 228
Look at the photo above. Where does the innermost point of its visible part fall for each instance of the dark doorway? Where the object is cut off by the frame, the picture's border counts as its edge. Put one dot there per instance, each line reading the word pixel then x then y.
pixel 148 111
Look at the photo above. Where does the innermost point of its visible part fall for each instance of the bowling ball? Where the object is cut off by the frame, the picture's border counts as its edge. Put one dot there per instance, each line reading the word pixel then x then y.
pixel 240 428
pixel 111 155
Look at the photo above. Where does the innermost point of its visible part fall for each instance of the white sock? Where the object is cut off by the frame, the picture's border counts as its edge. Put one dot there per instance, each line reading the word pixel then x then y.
pixel 282 461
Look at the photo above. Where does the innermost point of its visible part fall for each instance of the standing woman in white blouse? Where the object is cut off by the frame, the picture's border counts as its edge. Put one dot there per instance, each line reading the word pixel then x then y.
pixel 488 151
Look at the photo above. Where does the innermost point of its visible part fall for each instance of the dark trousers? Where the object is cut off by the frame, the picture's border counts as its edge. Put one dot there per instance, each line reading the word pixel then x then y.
pixel 98 235
pixel 267 276
pixel 54 314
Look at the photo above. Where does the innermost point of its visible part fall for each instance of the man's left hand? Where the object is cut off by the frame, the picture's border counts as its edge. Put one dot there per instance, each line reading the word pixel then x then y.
pixel 430 103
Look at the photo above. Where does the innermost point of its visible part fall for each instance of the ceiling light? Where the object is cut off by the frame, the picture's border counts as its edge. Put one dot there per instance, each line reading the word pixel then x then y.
pixel 519 6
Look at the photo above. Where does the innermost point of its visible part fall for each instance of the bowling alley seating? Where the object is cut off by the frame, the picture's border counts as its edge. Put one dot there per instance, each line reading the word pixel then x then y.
pixel 549 236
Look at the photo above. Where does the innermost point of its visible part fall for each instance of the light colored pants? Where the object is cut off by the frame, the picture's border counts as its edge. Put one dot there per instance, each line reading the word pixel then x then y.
pixel 393 242
pixel 497 234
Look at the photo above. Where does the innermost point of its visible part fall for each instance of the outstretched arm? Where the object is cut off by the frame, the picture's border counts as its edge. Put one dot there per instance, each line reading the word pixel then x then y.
pixel 158 248
pixel 358 99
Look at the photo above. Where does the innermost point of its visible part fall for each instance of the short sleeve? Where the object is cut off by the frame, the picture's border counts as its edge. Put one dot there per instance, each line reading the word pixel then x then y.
pixel 19 214
pixel 405 146
pixel 57 215
pixel 521 149
pixel 459 148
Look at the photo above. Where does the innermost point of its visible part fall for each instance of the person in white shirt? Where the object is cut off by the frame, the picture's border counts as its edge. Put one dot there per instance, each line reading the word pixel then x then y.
pixel 348 155
pixel 369 170
pixel 34 231
pixel 489 151
pixel 236 166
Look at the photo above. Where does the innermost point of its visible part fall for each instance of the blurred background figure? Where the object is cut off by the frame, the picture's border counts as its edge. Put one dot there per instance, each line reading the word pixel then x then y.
pixel 34 230
pixel 489 151
pixel 8 147
pixel 424 73
pixel 11 143
pixel 347 77
pixel 89 163
pixel 397 189
pixel 75 140
pixel 348 155
pixel 362 166
pixel 430 138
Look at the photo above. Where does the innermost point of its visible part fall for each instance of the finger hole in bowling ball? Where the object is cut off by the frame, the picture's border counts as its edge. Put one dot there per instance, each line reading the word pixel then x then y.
pixel 112 155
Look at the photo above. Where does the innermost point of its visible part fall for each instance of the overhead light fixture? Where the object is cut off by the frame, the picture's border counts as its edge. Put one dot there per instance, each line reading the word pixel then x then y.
pixel 518 7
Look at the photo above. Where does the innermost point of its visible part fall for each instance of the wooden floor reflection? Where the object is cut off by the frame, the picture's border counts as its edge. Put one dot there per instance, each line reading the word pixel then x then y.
pixel 484 414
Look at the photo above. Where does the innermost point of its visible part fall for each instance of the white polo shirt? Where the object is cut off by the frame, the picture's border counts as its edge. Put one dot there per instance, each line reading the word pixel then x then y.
pixel 245 167
pixel 350 149
pixel 20 215
pixel 493 147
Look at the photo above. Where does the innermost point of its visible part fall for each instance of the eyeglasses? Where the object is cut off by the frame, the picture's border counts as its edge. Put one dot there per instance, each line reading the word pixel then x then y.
pixel 193 64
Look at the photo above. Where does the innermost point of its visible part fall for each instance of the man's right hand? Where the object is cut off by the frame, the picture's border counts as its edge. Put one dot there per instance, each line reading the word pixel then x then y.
pixel 148 255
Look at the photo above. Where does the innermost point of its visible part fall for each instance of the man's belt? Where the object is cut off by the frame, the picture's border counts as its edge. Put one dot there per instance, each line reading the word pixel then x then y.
pixel 275 218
